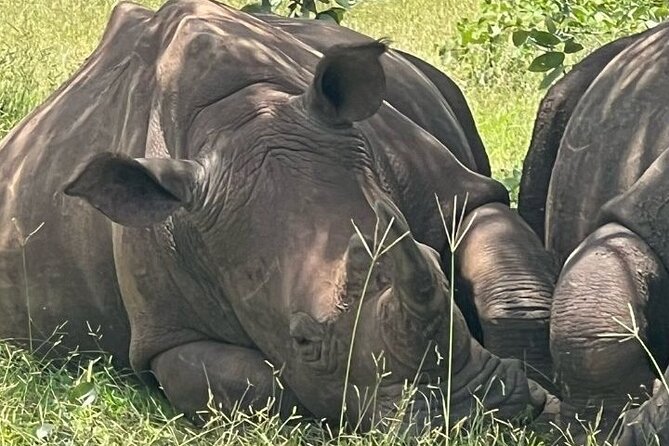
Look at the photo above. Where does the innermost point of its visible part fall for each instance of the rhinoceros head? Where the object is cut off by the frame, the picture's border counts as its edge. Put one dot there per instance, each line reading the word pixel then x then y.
pixel 258 201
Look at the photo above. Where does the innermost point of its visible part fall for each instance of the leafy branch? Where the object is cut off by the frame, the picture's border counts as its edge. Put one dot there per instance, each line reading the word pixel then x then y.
pixel 330 10
pixel 546 33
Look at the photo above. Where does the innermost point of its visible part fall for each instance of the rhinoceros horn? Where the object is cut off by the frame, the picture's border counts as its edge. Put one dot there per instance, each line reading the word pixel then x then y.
pixel 414 266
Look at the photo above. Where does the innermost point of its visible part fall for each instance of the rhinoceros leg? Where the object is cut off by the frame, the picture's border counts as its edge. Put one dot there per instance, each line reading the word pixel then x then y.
pixel 510 278
pixel 612 273
pixel 237 377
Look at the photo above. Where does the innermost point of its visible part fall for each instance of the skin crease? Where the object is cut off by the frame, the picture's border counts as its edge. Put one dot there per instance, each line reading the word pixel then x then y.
pixel 232 203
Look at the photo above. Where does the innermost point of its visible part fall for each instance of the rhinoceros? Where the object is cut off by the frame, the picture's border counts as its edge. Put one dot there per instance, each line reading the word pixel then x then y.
pixel 200 180
pixel 599 163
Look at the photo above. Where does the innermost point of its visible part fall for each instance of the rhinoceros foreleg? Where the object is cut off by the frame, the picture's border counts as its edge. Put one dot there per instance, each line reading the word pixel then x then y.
pixel 597 361
pixel 510 278
pixel 237 377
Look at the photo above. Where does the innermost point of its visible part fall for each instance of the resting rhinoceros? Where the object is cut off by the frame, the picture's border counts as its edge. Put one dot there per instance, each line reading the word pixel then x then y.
pixel 607 164
pixel 227 156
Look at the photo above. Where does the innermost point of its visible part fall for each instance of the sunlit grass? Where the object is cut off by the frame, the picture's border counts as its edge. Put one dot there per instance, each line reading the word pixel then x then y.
pixel 88 402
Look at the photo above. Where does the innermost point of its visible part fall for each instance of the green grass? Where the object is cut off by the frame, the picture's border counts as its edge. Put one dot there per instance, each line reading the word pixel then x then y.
pixel 43 42
pixel 46 404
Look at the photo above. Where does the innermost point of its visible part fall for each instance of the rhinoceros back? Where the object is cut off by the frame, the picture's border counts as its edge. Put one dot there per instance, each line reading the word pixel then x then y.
pixel 616 132
pixel 70 287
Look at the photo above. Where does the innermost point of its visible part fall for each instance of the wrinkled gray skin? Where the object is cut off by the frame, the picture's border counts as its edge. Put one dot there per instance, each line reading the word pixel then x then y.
pixel 232 156
pixel 553 115
pixel 606 215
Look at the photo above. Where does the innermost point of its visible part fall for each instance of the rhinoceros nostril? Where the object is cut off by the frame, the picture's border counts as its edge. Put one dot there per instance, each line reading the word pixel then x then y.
pixel 305 329
pixel 300 341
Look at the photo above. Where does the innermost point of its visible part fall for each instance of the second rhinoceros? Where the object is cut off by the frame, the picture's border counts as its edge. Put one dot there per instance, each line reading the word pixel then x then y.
pixel 198 178
pixel 595 183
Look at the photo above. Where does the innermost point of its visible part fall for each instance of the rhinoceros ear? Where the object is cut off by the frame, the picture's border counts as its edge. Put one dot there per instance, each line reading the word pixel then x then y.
pixel 135 192
pixel 349 84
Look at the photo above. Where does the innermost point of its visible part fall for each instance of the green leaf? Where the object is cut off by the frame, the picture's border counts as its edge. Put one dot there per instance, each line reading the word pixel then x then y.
pixel 544 38
pixel 580 13
pixel 572 47
pixel 343 3
pixel 600 16
pixel 333 14
pixel 466 37
pixel 519 37
pixel 546 61
pixel 509 183
pixel 662 12
pixel 551 77
pixel 324 16
pixel 550 25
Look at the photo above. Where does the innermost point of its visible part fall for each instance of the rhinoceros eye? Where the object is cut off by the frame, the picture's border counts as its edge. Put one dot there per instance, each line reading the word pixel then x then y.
pixel 300 341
